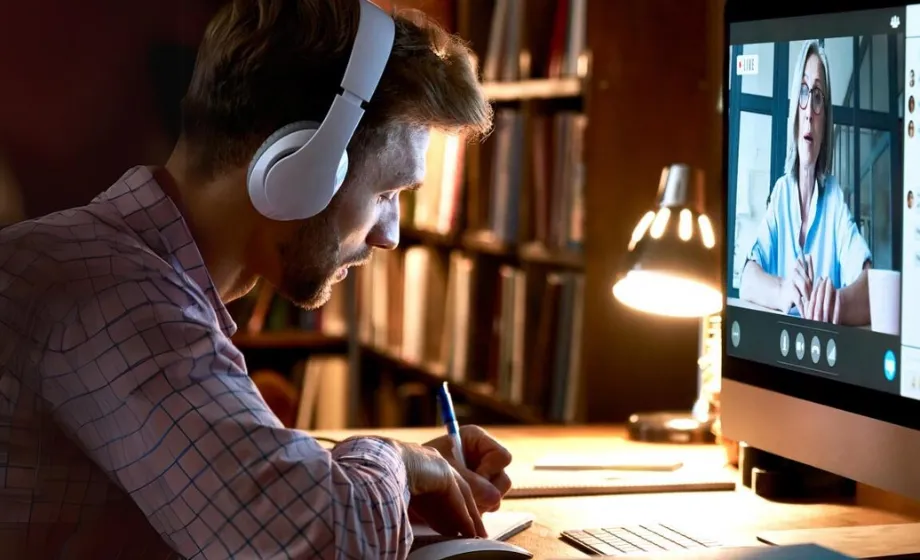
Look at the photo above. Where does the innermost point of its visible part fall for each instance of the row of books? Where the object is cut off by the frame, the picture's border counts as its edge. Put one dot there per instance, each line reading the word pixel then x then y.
pixel 554 205
pixel 312 396
pixel 472 320
pixel 529 185
pixel 263 310
pixel 510 52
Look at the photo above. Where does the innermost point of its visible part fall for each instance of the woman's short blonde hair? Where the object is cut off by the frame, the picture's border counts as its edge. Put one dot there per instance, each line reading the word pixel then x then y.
pixel 826 150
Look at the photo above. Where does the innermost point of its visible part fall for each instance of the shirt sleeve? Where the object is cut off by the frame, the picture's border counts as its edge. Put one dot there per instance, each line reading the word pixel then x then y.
pixel 159 398
pixel 852 249
pixel 763 252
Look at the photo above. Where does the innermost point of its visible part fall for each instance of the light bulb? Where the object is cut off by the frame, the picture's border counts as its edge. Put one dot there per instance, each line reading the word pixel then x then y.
pixel 667 294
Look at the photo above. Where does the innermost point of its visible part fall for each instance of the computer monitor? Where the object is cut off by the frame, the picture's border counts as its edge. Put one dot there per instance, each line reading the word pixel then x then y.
pixel 822 320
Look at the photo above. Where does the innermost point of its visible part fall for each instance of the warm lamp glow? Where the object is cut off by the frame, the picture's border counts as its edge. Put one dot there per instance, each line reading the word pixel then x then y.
pixel 667 294
pixel 661 221
pixel 685 226
pixel 641 228
pixel 709 237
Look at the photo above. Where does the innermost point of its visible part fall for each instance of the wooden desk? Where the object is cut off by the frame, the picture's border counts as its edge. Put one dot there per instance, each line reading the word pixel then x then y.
pixel 735 517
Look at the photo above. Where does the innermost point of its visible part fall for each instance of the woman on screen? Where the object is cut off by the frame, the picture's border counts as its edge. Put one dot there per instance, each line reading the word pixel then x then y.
pixel 809 257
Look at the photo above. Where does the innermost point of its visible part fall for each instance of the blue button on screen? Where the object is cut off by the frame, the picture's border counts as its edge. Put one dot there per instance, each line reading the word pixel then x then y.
pixel 891 367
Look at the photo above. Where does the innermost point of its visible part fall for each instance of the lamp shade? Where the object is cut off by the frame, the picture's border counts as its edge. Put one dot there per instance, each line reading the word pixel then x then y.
pixel 672 267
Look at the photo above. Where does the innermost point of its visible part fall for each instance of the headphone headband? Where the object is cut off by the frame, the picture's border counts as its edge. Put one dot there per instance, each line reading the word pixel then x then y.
pixel 299 169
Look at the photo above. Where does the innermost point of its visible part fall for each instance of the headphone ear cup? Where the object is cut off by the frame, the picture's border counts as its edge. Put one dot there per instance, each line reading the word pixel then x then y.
pixel 276 198
pixel 277 146
pixel 342 171
pixel 274 137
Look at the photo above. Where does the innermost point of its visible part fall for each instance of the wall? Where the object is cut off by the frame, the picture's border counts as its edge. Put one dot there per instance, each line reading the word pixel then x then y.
pixel 77 104
pixel 652 102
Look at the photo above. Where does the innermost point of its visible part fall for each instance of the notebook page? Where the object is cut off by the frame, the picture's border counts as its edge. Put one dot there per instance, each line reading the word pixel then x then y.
pixel 500 526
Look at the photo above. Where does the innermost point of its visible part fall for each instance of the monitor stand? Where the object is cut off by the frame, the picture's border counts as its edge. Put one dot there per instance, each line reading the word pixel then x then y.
pixel 871 541
pixel 778 478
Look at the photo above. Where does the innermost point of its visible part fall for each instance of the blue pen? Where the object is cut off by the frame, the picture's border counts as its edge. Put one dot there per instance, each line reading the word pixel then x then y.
pixel 449 417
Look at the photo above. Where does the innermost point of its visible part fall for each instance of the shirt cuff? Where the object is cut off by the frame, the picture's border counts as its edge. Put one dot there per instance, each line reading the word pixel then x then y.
pixel 374 452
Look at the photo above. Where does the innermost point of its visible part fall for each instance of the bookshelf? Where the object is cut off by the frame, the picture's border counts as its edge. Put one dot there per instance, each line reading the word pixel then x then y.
pixel 502 281
pixel 545 88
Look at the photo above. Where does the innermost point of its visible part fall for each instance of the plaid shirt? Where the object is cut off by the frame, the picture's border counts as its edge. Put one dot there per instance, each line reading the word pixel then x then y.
pixel 129 427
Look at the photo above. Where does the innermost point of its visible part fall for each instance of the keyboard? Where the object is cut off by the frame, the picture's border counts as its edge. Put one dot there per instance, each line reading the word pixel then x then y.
pixel 633 539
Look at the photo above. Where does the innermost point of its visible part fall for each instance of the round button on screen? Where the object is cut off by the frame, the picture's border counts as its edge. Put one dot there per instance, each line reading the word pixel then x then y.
pixel 891 366
pixel 831 352
pixel 784 343
pixel 800 346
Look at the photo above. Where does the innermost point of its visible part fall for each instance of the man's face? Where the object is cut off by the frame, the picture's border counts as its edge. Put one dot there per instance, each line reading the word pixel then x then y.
pixel 309 256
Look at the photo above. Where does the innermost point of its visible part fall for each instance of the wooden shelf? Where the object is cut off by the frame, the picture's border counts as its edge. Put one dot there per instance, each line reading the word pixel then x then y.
pixel 534 89
pixel 485 242
pixel 538 253
pixel 476 393
pixel 425 237
pixel 289 339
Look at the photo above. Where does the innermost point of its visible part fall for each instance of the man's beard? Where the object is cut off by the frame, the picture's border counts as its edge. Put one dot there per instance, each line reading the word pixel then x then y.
pixel 310 262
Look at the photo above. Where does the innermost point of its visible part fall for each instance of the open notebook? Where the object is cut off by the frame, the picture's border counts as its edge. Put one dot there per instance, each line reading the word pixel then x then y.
pixel 500 525
pixel 541 483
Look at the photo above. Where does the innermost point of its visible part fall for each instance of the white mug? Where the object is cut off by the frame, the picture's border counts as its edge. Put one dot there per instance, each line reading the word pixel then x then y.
pixel 885 300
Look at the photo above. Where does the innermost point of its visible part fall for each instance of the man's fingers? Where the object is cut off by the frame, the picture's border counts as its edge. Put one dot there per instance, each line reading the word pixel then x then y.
pixel 484 454
pixel 472 511
pixel 494 462
pixel 449 511
pixel 502 482
pixel 441 496
pixel 484 492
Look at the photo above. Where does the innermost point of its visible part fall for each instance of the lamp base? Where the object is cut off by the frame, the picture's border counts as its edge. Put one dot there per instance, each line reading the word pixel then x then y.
pixel 670 427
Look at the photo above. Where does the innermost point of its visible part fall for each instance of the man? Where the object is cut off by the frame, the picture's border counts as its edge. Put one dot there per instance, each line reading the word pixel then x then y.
pixel 128 425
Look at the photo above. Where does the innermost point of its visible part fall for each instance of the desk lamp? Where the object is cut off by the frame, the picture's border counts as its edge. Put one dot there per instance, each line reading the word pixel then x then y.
pixel 672 270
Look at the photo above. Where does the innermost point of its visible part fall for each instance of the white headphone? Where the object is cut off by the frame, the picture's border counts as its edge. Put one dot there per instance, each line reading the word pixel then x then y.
pixel 300 167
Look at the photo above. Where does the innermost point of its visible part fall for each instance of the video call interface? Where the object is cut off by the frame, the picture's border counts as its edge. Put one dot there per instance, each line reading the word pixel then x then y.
pixel 824 196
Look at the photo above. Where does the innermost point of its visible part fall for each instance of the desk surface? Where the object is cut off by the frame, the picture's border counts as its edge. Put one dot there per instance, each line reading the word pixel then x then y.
pixel 733 516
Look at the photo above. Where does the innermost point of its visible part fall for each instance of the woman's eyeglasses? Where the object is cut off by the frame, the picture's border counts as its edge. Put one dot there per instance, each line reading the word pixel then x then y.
pixel 816 95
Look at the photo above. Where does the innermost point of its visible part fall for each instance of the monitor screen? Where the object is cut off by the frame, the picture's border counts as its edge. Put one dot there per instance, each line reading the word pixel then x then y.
pixel 823 206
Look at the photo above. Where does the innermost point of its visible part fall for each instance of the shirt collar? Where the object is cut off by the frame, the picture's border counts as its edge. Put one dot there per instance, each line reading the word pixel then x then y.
pixel 150 213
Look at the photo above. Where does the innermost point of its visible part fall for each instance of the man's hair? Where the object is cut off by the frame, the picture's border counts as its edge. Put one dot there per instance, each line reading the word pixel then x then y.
pixel 265 63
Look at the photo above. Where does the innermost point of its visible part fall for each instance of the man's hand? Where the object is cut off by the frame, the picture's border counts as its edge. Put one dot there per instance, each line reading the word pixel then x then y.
pixel 485 461
pixel 796 289
pixel 439 495
pixel 824 304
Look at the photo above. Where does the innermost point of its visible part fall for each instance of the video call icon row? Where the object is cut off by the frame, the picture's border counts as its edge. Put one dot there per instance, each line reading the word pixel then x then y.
pixel 814 349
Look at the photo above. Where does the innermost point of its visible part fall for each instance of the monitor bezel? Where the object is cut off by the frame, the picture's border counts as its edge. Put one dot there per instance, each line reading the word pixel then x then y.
pixel 885 407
